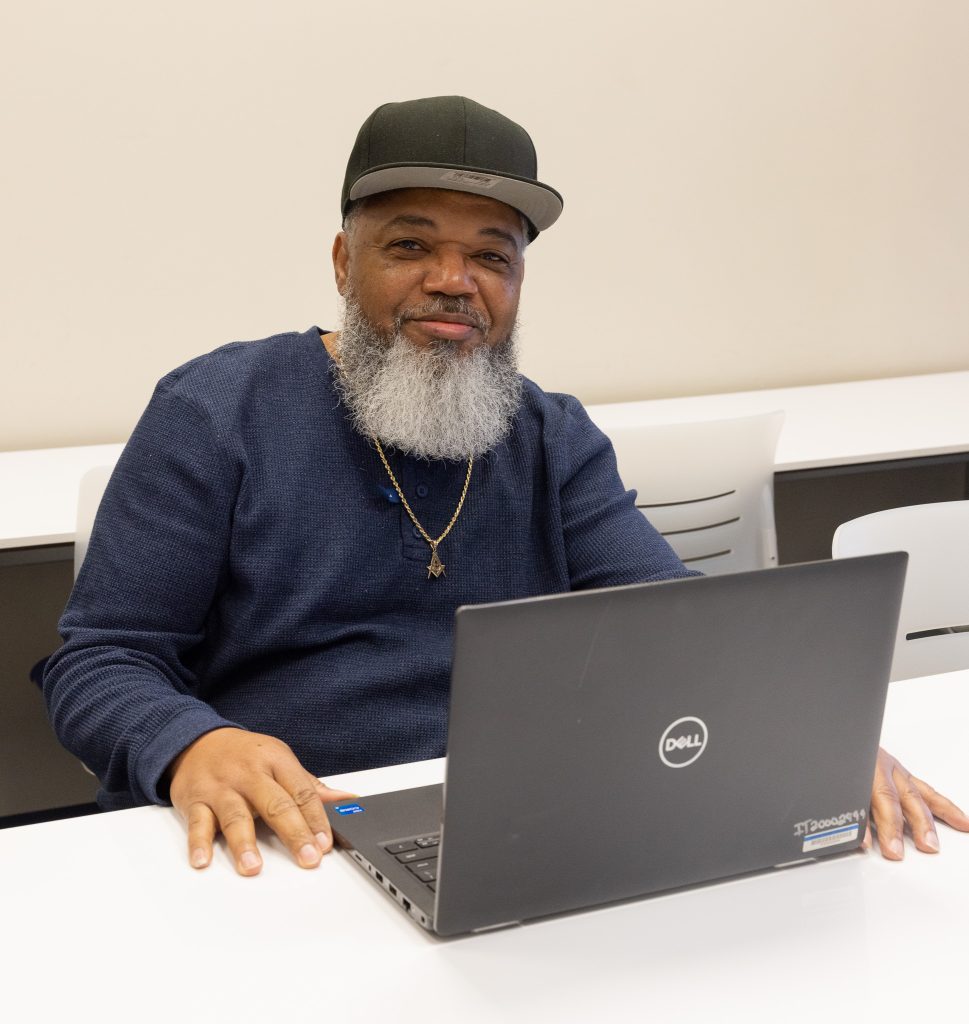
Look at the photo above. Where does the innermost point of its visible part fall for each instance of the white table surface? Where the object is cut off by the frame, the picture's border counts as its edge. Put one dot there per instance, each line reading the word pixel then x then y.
pixel 826 425
pixel 833 424
pixel 103 920
pixel 38 492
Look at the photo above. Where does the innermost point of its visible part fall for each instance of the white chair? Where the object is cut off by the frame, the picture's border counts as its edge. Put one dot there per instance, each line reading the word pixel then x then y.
pixel 707 486
pixel 90 492
pixel 933 628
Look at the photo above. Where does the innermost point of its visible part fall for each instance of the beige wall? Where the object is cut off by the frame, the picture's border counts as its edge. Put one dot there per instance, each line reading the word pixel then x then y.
pixel 758 192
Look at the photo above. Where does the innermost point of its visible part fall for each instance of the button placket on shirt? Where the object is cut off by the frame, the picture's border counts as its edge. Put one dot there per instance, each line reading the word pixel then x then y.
pixel 414 546
pixel 425 499
pixel 420 491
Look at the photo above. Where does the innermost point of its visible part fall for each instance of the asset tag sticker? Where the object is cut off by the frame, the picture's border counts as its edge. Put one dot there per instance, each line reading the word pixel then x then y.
pixel 832 837
pixel 349 809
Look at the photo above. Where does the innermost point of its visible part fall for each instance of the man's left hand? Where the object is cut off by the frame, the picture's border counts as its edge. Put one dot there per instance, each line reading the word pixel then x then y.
pixel 899 799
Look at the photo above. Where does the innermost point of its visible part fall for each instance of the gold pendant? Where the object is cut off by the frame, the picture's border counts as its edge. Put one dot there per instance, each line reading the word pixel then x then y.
pixel 436 568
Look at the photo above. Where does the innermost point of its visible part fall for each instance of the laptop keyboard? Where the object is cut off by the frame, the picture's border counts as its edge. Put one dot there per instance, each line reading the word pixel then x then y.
pixel 418 855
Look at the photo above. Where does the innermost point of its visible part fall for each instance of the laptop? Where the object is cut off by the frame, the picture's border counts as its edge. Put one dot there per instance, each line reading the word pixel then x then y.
pixel 612 743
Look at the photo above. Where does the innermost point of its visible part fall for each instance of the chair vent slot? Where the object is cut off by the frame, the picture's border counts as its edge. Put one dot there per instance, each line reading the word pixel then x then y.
pixel 701 558
pixel 698 529
pixel 689 501
pixel 921 634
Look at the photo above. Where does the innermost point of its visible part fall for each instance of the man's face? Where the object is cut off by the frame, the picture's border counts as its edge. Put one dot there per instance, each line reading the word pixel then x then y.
pixel 444 267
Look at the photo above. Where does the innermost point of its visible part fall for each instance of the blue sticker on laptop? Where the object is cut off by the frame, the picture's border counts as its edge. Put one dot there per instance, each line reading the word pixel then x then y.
pixel 349 809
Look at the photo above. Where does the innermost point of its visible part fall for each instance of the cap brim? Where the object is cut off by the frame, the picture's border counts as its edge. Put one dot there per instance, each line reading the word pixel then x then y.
pixel 540 203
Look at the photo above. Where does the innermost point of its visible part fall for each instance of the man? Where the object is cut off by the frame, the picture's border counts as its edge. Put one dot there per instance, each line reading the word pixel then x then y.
pixel 270 585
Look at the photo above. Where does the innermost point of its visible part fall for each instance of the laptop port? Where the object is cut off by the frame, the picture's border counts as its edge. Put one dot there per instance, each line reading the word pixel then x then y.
pixel 406 904
pixel 393 891
pixel 380 877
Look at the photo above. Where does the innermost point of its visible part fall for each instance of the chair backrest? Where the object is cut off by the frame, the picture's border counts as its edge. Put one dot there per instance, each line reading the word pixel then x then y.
pixel 707 486
pixel 933 627
pixel 89 496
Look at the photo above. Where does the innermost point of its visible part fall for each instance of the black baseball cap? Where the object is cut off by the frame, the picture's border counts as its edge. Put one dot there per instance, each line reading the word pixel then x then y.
pixel 454 143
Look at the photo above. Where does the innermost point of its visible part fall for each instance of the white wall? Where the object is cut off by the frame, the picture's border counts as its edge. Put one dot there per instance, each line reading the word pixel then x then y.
pixel 758 192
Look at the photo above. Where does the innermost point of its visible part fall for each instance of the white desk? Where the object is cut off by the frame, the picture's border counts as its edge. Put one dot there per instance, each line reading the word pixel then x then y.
pixel 103 920
pixel 833 424
pixel 38 492
pixel 826 425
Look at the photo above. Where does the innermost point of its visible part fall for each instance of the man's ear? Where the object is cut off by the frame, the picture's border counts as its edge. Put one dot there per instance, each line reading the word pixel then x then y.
pixel 341 261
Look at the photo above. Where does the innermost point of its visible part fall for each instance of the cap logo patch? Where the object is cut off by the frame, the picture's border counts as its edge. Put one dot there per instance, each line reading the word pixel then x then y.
pixel 471 178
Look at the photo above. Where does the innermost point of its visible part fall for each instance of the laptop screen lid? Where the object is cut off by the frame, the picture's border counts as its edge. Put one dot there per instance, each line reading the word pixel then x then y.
pixel 607 744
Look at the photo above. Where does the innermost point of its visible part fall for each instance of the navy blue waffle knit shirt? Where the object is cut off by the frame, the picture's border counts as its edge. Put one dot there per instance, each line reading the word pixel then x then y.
pixel 252 565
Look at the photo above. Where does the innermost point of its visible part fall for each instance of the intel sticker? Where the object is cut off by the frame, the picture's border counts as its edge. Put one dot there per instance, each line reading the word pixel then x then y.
pixel 349 809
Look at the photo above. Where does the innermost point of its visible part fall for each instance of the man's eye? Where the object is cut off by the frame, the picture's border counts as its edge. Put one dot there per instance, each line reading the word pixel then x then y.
pixel 493 257
pixel 407 244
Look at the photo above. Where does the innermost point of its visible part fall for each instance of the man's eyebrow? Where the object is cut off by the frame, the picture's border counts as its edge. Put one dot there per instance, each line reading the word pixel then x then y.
pixel 410 220
pixel 506 236
pixel 414 220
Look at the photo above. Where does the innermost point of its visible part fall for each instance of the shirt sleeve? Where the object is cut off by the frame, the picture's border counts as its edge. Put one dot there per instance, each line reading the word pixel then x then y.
pixel 120 692
pixel 608 541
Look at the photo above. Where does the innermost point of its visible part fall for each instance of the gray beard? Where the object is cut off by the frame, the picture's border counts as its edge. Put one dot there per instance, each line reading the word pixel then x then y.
pixel 433 403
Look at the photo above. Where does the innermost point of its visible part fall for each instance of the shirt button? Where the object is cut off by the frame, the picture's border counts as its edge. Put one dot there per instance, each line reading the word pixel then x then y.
pixel 421 490
pixel 417 533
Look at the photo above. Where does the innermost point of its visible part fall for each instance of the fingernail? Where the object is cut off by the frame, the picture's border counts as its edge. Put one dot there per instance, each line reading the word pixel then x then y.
pixel 309 855
pixel 324 840
pixel 896 848
pixel 250 860
pixel 931 840
pixel 199 858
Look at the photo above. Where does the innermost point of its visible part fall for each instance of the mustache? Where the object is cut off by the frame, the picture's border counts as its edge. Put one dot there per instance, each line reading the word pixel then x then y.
pixel 452 304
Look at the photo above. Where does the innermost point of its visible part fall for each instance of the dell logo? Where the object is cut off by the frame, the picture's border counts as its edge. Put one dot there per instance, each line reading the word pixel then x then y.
pixel 683 742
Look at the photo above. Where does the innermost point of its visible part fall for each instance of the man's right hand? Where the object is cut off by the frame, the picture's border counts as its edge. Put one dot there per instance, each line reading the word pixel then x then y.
pixel 229 777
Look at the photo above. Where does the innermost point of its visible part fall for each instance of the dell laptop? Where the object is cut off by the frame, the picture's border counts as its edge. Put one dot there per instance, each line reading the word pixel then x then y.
pixel 611 743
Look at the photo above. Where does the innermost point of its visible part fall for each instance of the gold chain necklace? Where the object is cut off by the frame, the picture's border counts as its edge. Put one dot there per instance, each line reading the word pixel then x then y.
pixel 436 568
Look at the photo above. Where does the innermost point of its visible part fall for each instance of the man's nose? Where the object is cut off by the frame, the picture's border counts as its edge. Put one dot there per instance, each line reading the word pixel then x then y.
pixel 450 273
